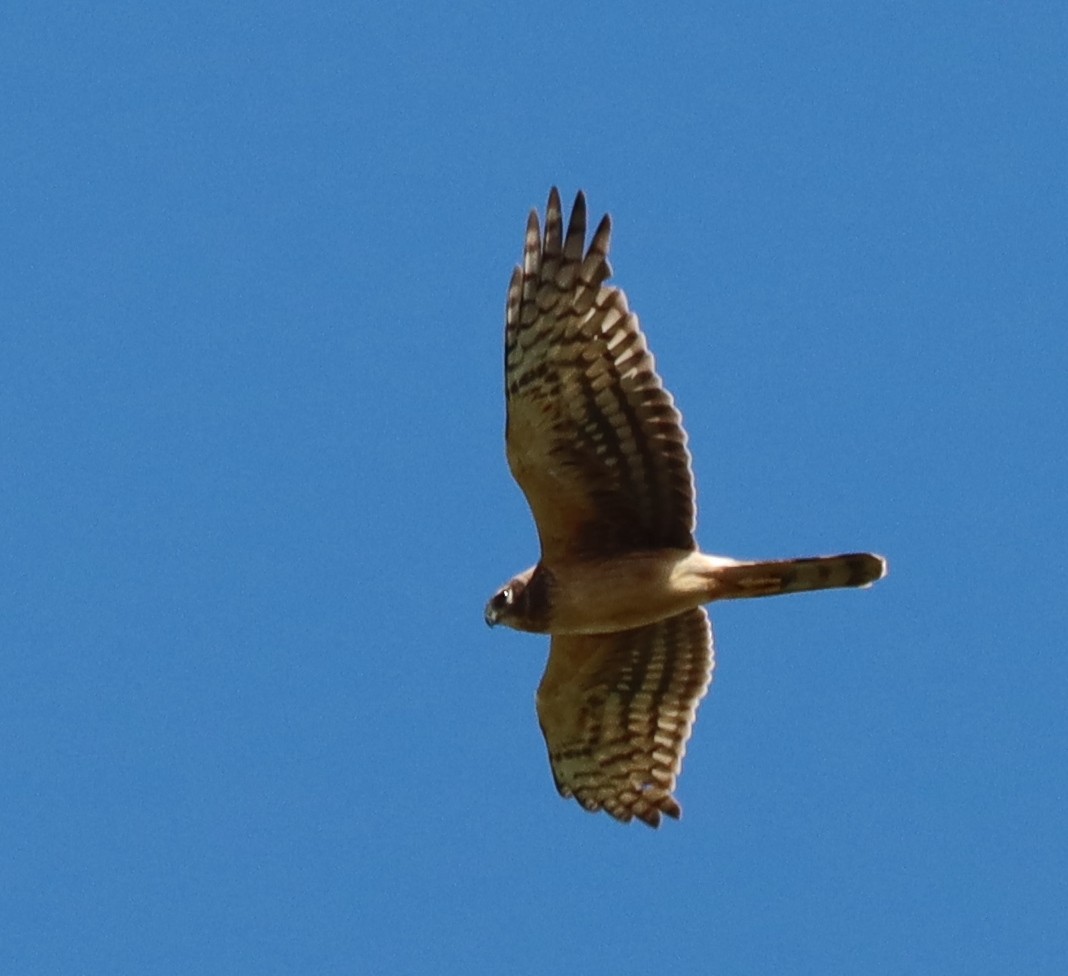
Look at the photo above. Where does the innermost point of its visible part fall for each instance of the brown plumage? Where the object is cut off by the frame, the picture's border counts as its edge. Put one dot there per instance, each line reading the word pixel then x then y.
pixel 598 448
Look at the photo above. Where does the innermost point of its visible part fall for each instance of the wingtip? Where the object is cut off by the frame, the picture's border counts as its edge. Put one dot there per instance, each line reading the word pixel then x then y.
pixel 575 238
pixel 532 243
pixel 579 207
pixel 653 816
pixel 602 237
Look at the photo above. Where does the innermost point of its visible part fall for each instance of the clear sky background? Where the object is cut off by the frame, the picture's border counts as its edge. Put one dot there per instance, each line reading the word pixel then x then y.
pixel 254 495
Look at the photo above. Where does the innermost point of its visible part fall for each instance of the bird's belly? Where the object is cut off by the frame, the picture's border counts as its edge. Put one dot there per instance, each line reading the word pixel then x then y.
pixel 605 595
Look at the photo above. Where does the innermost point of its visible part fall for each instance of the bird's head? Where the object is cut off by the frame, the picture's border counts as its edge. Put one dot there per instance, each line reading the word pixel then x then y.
pixel 508 605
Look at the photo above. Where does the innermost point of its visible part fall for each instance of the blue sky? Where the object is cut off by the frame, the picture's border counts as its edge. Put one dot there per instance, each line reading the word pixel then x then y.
pixel 254 493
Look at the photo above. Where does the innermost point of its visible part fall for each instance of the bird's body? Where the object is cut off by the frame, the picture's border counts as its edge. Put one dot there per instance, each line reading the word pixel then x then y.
pixel 593 596
pixel 597 446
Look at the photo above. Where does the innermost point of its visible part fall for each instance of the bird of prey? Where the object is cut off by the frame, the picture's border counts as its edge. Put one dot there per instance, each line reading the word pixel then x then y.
pixel 598 448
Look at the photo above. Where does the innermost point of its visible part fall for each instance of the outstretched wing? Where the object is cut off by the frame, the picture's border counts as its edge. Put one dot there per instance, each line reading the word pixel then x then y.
pixel 617 710
pixel 594 439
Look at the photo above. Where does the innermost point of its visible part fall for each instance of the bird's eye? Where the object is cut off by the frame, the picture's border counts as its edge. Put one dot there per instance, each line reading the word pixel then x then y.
pixel 506 595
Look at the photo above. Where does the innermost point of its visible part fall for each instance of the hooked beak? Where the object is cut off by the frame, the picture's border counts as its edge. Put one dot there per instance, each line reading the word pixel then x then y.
pixel 490 616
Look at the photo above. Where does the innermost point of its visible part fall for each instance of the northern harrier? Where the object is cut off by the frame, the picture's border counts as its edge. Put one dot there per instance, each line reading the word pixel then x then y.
pixel 598 448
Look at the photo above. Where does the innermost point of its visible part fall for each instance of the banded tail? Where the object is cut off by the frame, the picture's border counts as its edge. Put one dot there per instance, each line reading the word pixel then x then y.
pixel 747 579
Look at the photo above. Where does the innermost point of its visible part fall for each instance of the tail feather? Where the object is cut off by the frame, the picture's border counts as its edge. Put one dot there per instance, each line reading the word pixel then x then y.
pixel 748 579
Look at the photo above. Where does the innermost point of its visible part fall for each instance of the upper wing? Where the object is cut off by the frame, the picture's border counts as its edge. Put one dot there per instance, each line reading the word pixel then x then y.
pixel 594 439
pixel 617 710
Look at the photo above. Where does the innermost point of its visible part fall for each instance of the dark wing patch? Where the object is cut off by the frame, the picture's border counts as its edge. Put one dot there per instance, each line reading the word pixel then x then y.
pixel 617 710
pixel 594 439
